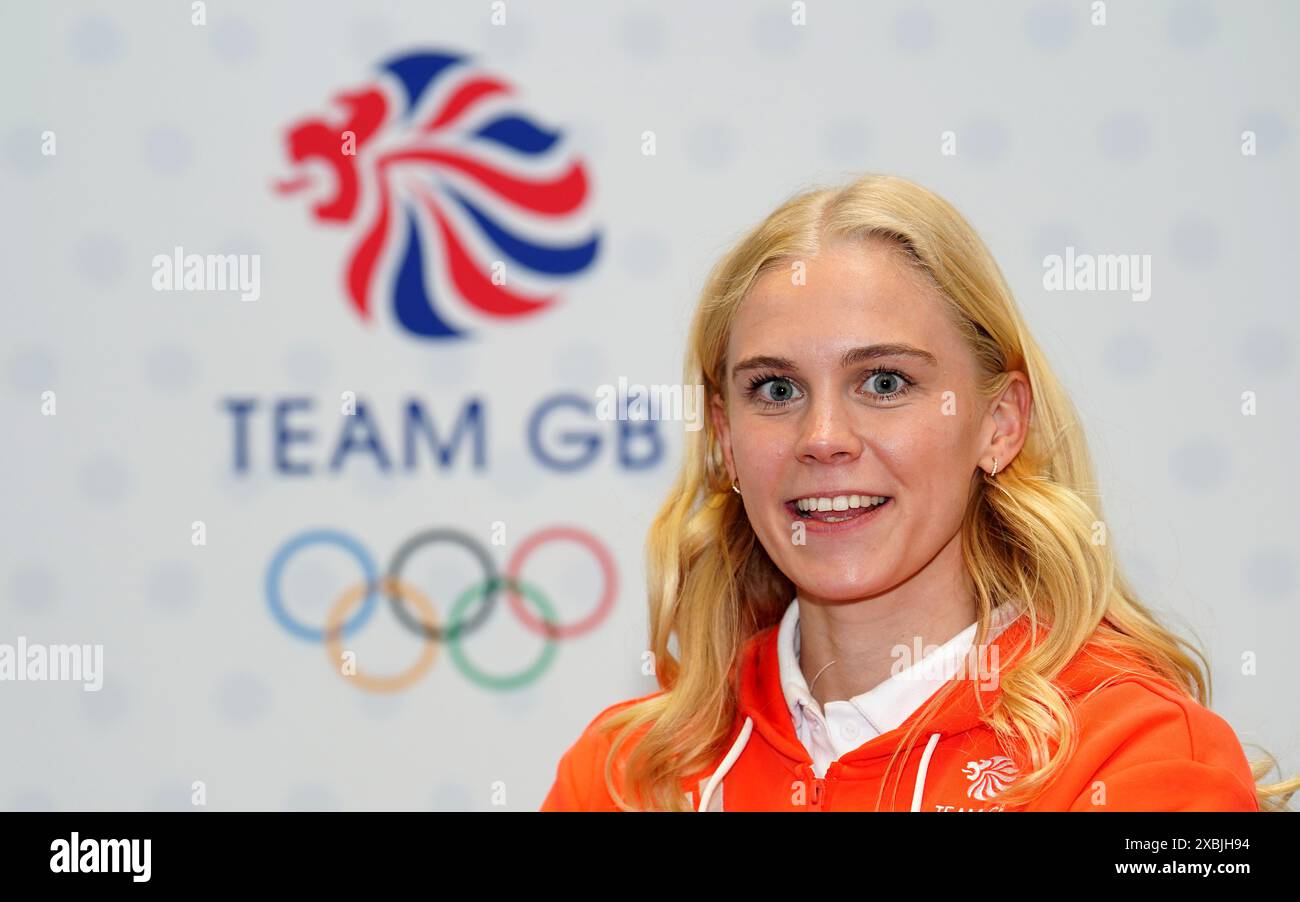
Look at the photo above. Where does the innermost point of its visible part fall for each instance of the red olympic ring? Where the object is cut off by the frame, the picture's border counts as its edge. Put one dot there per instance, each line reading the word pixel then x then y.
pixel 562 631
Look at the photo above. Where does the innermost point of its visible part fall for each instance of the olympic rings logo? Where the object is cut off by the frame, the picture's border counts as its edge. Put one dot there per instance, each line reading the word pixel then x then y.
pixel 469 611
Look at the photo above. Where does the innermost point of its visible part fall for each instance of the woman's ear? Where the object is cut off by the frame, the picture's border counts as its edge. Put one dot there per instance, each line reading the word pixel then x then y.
pixel 1010 416
pixel 722 426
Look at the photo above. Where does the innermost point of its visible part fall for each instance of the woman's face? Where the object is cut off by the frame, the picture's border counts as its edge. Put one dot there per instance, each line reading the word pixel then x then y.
pixel 855 383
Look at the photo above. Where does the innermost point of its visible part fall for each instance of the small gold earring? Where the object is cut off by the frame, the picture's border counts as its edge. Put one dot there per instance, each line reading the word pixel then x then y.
pixel 995 468
pixel 734 487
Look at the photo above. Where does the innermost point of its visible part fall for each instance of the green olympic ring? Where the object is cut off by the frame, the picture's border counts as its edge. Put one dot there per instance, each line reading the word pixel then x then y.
pixel 462 661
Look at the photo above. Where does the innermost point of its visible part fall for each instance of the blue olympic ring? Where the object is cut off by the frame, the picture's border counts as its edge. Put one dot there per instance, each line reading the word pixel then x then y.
pixel 327 537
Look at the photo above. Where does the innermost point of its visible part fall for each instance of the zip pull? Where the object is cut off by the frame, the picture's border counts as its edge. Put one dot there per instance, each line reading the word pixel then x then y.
pixel 817 789
pixel 819 792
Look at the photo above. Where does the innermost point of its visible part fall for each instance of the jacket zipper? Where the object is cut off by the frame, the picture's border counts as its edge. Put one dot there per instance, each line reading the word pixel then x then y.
pixel 819 792
pixel 818 789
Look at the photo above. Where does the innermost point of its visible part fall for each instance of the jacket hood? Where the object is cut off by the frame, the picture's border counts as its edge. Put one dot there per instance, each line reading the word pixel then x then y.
pixel 1142 737
pixel 761 697
pixel 762 706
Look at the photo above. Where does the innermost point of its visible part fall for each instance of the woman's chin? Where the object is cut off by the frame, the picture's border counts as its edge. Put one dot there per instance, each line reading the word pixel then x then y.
pixel 840 589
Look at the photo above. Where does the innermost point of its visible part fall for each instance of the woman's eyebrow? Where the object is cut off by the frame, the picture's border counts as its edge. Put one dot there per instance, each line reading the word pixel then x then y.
pixel 851 357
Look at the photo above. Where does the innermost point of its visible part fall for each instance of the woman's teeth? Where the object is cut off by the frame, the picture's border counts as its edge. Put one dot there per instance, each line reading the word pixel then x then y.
pixel 839 502
pixel 855 506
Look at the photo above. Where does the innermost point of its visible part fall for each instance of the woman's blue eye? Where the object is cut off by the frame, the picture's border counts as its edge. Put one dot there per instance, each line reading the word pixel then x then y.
pixel 778 391
pixel 783 390
pixel 893 386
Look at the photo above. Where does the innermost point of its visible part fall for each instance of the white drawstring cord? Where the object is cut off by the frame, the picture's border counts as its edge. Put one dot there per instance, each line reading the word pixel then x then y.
pixel 920 771
pixel 737 747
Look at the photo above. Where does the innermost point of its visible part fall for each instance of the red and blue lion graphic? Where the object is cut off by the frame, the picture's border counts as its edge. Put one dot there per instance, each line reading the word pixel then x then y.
pixel 436 164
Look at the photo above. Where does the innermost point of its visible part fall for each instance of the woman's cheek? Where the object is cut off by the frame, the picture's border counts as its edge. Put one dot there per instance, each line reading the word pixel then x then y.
pixel 925 442
pixel 761 456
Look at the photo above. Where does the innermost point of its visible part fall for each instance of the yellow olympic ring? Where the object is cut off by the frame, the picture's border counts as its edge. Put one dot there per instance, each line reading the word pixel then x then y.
pixel 334 639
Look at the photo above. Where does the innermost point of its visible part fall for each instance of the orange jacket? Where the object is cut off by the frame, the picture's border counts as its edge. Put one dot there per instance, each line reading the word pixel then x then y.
pixel 1142 745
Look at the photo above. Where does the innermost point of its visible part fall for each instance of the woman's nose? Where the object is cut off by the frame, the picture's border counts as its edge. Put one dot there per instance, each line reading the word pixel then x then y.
pixel 828 432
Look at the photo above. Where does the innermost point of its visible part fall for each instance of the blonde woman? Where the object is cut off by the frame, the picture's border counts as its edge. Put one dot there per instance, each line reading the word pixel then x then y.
pixel 883 562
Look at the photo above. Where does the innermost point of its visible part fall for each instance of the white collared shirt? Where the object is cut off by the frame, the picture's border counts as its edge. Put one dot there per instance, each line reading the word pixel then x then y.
pixel 845 725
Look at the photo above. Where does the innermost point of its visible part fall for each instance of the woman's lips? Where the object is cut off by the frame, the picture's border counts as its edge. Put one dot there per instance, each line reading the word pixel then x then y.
pixel 815 521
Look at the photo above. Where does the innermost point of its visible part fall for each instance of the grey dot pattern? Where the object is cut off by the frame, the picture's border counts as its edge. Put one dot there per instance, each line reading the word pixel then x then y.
pixel 847 143
pixel 458 366
pixel 583 365
pixel 1270 574
pixel 1053 238
pixel 1192 24
pixel 516 473
pixel 452 797
pixel 643 35
pixel 33 370
pixel 983 140
pixel 243 699
pixel 518 703
pixel 1195 243
pixel 711 145
pixel 167 150
pixel 177 795
pixel 1124 136
pixel 105 480
pixel 1273 132
pixel 20 149
pixel 1266 350
pixel 33 800
pixel 171 369
pixel 312 797
pixel 308 366
pixel 96 40
pixel 173 585
pixel 35 587
pixel 243 243
pixel 107 708
pixel 371 37
pixel 644 254
pixel 381 707
pixel 364 471
pixel 100 259
pixel 1200 464
pixel 775 34
pixel 514 40
pixel 1130 355
pixel 234 40
pixel 915 30
pixel 1053 26
pixel 246 486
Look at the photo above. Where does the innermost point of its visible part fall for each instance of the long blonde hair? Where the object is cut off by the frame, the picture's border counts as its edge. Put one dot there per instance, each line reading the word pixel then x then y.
pixel 1028 534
